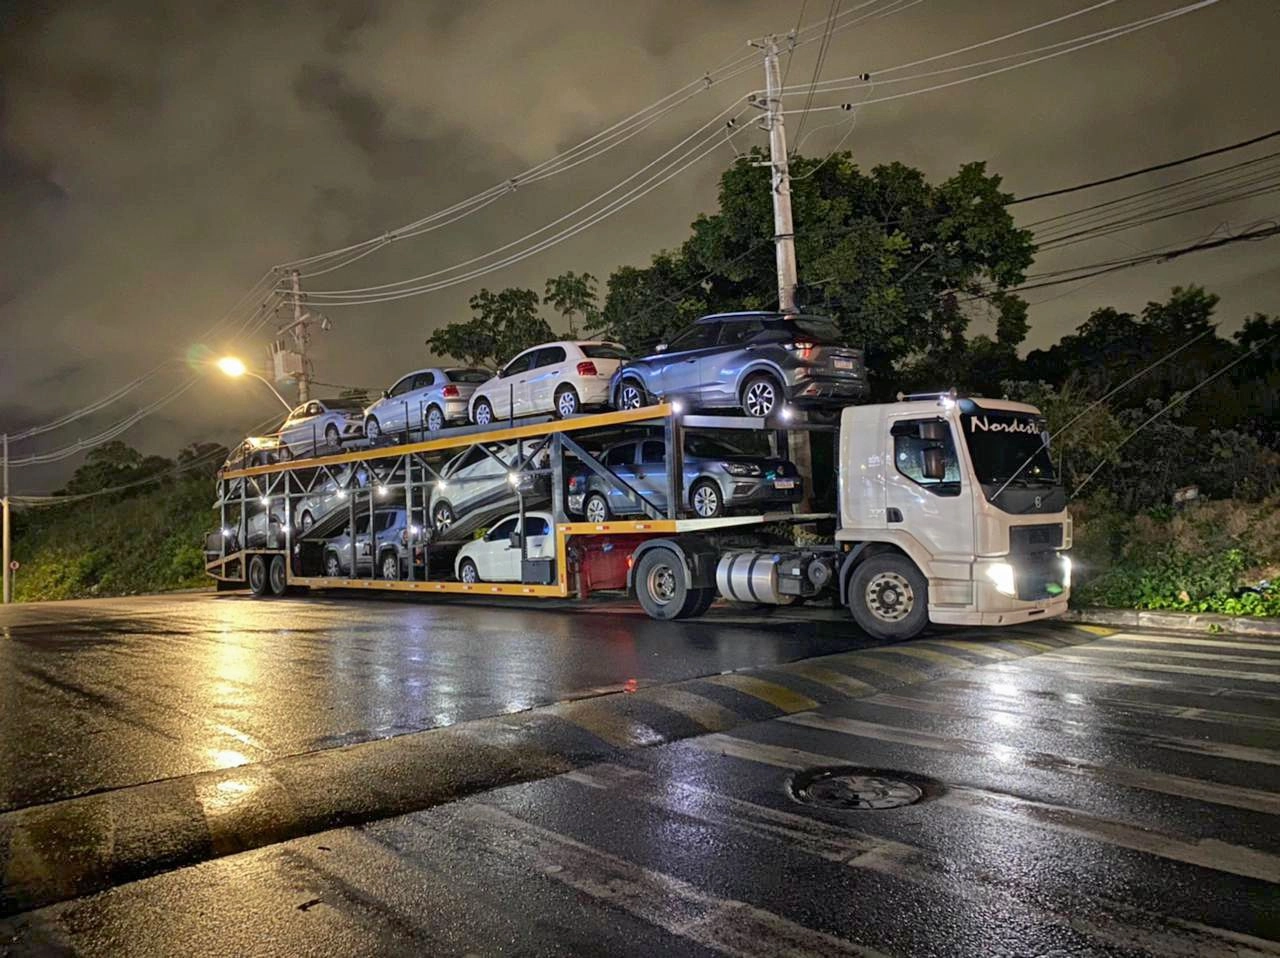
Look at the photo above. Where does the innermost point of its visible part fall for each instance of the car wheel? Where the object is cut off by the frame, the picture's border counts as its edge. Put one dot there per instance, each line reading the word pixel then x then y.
pixel 468 573
pixel 307 522
pixel 283 453
pixel 482 412
pixel 258 575
pixel 277 579
pixel 331 436
pixel 761 395
pixel 435 419
pixel 332 567
pixel 372 431
pixel 596 508
pixel 706 500
pixel 566 402
pixel 660 585
pixel 889 597
pixel 390 566
pixel 442 516
pixel 631 395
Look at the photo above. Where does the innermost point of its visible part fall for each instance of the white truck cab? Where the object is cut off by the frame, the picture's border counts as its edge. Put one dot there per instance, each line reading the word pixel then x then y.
pixel 965 491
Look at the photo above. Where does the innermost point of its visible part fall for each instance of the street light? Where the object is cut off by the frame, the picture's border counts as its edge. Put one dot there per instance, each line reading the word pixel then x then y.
pixel 235 368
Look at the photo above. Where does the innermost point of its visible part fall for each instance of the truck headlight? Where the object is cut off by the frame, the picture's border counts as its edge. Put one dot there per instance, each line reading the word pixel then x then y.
pixel 1066 571
pixel 1001 576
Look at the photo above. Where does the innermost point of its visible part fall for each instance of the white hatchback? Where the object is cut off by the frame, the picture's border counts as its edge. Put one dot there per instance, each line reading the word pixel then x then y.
pixel 561 378
pixel 496 557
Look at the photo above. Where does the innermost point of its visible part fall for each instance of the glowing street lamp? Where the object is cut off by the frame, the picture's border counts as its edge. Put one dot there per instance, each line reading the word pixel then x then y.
pixel 235 368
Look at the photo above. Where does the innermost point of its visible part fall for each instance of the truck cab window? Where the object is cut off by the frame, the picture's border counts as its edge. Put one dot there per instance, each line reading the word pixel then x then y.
pixel 913 439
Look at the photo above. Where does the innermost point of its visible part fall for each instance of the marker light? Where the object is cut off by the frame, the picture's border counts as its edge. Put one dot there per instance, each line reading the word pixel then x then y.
pixel 1066 571
pixel 948 402
pixel 266 500
pixel 786 412
pixel 226 532
pixel 1001 576
pixel 513 478
pixel 677 406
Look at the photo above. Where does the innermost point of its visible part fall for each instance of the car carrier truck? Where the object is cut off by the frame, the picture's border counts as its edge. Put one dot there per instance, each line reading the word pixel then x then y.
pixel 947 510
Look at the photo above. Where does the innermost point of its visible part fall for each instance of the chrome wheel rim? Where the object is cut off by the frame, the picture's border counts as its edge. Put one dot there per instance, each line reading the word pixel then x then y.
pixel 483 414
pixel 761 398
pixel 889 597
pixel 371 429
pixel 469 574
pixel 390 567
pixel 257 576
pixel 435 420
pixel 277 575
pixel 443 518
pixel 705 501
pixel 332 568
pixel 568 403
pixel 596 511
pixel 661 583
pixel 631 398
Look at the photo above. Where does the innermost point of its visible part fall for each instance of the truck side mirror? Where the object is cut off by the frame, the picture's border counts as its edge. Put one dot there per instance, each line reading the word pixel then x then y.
pixel 933 463
pixel 933 430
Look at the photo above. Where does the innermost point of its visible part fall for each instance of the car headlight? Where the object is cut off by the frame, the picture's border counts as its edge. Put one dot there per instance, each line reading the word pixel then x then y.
pixel 741 468
pixel 1001 576
pixel 1066 571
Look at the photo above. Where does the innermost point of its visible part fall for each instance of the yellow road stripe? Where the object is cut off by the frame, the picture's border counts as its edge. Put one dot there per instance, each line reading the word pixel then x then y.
pixel 607 724
pixel 1272 677
pixel 832 679
pixel 1100 630
pixel 779 696
pixel 1180 654
pixel 978 648
pixel 1032 645
pixel 892 669
pixel 710 715
pixel 1142 640
pixel 932 655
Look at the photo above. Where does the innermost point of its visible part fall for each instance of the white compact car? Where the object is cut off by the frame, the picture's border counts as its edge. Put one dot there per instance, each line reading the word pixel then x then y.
pixel 319 426
pixel 496 557
pixel 561 378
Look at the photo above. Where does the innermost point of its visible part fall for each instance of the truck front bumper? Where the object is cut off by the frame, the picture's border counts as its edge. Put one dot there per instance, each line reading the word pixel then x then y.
pixel 992 607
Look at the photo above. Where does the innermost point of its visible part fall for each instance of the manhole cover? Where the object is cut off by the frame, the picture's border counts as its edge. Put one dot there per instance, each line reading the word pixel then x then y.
pixel 846 787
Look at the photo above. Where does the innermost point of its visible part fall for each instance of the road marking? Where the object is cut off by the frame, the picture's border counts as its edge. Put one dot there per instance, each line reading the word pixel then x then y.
pixel 1113 922
pixel 1141 640
pixel 779 696
pixel 978 648
pixel 947 659
pixel 832 679
pixel 607 724
pixel 1237 796
pixel 722 924
pixel 1179 654
pixel 1100 630
pixel 1173 669
pixel 1204 852
pixel 1209 749
pixel 893 670
pixel 697 708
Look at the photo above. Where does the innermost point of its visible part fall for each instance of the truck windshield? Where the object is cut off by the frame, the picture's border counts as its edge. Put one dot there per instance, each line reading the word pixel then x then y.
pixel 1000 443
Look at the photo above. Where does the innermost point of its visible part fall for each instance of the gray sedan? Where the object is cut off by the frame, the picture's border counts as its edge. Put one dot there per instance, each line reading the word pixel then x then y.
pixel 716 477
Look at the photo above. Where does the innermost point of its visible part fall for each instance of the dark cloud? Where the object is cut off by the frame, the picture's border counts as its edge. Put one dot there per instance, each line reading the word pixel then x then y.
pixel 155 159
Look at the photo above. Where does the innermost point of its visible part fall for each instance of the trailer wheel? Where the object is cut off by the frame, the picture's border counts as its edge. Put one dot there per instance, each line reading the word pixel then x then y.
pixel 277 580
pixel 258 575
pixel 889 597
pixel 660 585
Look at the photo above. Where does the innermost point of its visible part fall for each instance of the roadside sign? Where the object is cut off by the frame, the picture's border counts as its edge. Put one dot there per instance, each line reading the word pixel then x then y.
pixel 13 565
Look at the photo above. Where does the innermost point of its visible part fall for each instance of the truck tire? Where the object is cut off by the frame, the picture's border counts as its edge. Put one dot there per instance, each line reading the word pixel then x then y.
pixel 277 580
pixel 703 600
pixel 258 579
pixel 660 585
pixel 889 597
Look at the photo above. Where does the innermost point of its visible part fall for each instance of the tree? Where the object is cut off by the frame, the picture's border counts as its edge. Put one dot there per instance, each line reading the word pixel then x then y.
pixel 202 458
pixel 506 322
pixel 896 261
pixel 573 294
pixel 113 464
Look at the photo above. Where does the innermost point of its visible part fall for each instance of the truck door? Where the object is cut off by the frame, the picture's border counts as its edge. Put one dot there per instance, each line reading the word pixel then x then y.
pixel 926 491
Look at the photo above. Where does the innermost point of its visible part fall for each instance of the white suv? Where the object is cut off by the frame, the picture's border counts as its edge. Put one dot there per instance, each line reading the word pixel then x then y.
pixel 561 378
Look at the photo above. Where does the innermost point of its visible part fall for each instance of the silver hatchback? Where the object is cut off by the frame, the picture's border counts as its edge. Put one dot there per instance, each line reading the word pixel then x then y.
pixel 426 399
pixel 752 361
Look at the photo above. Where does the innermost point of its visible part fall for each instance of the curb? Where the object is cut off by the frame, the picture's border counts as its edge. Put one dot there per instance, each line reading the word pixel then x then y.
pixel 75 847
pixel 1176 621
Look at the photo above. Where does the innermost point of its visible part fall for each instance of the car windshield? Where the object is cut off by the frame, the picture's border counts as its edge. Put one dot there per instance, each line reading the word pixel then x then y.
pixel 604 351
pixel 1005 444
pixel 818 328
pixel 705 447
pixel 346 404
pixel 475 376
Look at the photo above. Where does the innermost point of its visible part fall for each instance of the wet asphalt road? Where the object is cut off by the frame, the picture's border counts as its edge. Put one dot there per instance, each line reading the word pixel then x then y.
pixel 1118 797
pixel 111 693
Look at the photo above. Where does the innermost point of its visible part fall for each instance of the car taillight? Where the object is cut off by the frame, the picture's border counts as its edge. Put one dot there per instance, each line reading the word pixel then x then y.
pixel 587 369
pixel 804 345
pixel 576 483
pixel 449 392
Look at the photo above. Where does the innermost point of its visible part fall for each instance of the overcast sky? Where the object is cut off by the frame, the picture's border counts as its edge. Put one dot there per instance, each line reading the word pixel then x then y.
pixel 156 159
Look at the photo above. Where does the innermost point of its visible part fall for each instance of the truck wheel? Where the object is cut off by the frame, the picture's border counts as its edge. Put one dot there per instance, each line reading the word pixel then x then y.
pixel 889 597
pixel 703 599
pixel 596 508
pixel 660 585
pixel 277 580
pixel 258 575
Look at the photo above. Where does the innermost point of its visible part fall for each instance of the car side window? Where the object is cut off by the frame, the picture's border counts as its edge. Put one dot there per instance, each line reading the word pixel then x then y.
pixel 387 520
pixel 911 439
pixel 402 387
pixel 622 455
pixel 697 336
pixel 653 452
pixel 313 409
pixel 502 530
pixel 737 333
pixel 520 364
pixel 536 526
pixel 549 356
pixel 424 380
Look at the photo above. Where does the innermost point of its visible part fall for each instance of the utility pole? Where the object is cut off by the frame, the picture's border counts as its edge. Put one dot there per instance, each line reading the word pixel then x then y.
pixel 4 520
pixel 301 337
pixel 784 238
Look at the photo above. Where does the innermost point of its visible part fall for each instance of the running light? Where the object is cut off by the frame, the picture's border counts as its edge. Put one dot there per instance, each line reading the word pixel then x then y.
pixel 677 406
pixel 1001 576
